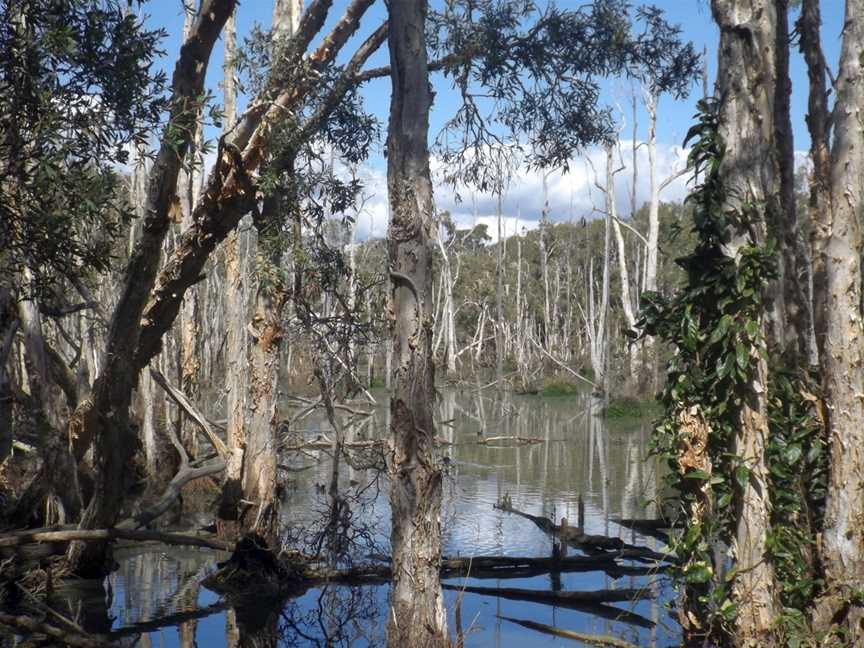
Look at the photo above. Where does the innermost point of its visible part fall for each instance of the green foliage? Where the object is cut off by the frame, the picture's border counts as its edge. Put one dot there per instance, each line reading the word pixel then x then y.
pixel 556 387
pixel 76 88
pixel 629 408
pixel 533 71
pixel 715 324
pixel 798 462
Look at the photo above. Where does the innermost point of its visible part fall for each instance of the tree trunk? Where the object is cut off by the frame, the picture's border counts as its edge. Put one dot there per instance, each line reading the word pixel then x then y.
pixel 8 327
pixel 417 616
pixel 840 334
pixel 190 315
pixel 236 318
pixel 112 392
pixel 746 84
pixel 499 302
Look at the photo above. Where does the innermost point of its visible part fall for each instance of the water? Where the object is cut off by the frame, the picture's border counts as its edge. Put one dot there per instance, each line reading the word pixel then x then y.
pixel 155 593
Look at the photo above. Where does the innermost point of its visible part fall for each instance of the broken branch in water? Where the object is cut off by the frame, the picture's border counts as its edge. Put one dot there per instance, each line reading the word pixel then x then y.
pixel 509 440
pixel 560 599
pixel 66 636
pixel 593 640
pixel 41 535
pixel 185 475
pixel 574 537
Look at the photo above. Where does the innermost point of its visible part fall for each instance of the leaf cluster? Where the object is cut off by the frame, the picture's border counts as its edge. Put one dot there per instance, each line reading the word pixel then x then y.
pixel 530 73
pixel 77 88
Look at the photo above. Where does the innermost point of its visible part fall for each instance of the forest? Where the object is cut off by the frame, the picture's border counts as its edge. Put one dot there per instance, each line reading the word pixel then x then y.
pixel 300 344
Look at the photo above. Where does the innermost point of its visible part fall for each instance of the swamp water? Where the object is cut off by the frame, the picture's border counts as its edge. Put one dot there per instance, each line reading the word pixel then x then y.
pixel 155 594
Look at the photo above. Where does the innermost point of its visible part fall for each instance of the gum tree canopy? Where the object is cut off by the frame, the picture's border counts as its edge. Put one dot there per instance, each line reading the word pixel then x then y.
pixel 76 87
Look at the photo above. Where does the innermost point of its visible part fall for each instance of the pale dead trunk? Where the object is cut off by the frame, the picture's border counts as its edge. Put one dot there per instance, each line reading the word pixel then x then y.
pixel 236 317
pixel 544 264
pixel 499 302
pixel 650 101
pixel 417 616
pixel 836 208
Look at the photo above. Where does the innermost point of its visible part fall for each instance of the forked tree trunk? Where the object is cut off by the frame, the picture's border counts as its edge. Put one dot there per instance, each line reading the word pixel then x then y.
pixel 417 616
pixel 746 85
pixel 836 209
pixel 106 419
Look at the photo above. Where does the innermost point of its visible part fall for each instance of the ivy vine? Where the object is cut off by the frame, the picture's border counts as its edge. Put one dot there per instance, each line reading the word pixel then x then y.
pixel 715 325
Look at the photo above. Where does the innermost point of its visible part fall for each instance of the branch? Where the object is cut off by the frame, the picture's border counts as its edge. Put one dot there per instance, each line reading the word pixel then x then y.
pixel 561 364
pixel 66 636
pixel 114 534
pixel 180 398
pixel 69 309
pixel 185 475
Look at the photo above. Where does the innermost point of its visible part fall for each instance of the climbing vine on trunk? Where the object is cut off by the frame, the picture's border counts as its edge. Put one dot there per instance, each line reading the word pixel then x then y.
pixel 715 322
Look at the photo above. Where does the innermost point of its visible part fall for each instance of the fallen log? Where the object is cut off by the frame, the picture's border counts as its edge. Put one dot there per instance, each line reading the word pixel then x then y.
pixel 574 537
pixel 559 599
pixel 174 619
pixel 509 440
pixel 67 637
pixel 656 528
pixel 601 610
pixel 40 535
pixel 590 639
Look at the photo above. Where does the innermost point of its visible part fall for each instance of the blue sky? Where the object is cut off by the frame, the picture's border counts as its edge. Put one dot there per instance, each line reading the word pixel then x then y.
pixel 571 196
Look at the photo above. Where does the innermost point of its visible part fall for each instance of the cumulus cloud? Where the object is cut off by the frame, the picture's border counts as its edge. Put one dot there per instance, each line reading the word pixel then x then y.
pixel 572 195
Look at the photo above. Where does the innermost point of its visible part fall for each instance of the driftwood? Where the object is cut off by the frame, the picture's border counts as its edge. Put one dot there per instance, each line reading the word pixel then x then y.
pixel 66 636
pixel 573 536
pixel 590 639
pixel 40 535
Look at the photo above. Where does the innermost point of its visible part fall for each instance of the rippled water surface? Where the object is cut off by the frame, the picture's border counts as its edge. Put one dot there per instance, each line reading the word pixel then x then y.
pixel 155 593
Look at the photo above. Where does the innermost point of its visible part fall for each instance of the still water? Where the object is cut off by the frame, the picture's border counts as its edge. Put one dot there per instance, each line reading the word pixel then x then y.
pixel 155 595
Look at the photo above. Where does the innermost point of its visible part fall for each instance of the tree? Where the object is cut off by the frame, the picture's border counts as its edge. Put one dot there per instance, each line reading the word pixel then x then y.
pixel 835 209
pixel 417 614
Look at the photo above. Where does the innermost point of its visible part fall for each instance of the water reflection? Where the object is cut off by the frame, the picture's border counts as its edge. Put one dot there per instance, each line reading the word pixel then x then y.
pixel 155 594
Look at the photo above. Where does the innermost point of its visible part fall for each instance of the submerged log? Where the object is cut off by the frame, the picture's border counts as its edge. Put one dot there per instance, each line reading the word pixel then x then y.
pixel 574 537
pixel 94 535
pixel 656 528
pixel 65 636
pixel 559 599
pixel 601 610
pixel 590 639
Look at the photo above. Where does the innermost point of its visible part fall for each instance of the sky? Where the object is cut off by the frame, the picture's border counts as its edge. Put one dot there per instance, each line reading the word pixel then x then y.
pixel 572 195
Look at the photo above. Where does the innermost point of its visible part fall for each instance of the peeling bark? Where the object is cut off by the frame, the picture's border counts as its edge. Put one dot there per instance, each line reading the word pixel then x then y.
pixel 417 616
pixel 836 208
pixel 746 81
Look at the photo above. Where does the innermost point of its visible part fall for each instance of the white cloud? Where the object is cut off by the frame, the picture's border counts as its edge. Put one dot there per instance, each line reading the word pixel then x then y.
pixel 572 195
